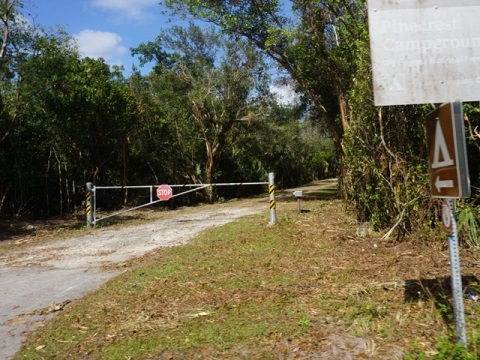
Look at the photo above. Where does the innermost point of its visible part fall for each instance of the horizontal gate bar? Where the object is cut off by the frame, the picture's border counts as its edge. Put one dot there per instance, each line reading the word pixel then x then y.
pixel 91 195
pixel 179 185
pixel 150 203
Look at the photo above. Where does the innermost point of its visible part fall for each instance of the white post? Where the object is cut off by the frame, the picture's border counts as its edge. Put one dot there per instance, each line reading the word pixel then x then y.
pixel 271 191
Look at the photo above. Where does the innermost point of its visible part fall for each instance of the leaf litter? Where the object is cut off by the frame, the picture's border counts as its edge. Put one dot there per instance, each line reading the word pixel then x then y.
pixel 311 287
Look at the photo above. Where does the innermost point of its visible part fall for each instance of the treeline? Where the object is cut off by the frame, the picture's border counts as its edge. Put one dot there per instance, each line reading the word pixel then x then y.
pixel 324 46
pixel 205 113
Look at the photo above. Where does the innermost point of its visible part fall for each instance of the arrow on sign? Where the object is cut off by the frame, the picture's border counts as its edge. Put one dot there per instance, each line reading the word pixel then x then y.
pixel 441 184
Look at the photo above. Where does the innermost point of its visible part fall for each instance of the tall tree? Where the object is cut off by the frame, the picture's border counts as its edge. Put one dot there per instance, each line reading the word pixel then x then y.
pixel 20 40
pixel 323 46
pixel 222 93
pixel 162 146
pixel 56 106
pixel 7 15
pixel 316 42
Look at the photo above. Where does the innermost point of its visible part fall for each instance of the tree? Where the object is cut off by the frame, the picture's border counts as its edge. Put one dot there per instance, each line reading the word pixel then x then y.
pixel 56 108
pixel 385 163
pixel 323 45
pixel 19 124
pixel 316 45
pixel 163 145
pixel 91 115
pixel 221 94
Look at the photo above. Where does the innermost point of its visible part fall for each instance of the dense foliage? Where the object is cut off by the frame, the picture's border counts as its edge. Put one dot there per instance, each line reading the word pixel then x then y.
pixel 386 170
pixel 324 47
pixel 204 114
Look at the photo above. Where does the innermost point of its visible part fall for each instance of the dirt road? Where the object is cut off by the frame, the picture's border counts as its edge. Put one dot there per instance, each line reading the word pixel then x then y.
pixel 38 281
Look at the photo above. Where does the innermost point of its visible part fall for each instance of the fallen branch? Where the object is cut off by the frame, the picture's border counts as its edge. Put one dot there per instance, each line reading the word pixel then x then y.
pixel 389 232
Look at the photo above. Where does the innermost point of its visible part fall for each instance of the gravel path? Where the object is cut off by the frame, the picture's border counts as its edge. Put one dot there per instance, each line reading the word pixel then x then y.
pixel 37 281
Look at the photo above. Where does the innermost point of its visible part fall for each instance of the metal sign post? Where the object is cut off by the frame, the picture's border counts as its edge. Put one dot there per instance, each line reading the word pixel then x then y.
pixel 457 292
pixel 449 179
pixel 425 52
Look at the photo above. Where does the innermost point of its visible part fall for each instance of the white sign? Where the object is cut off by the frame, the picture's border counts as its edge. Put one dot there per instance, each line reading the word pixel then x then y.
pixel 447 218
pixel 425 51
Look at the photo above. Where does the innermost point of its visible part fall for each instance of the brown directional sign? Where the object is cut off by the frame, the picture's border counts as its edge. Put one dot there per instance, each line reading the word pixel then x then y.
pixel 447 154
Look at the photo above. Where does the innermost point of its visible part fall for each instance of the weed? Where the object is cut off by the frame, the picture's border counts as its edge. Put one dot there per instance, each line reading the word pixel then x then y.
pixel 304 322
pixel 468 226
pixel 444 307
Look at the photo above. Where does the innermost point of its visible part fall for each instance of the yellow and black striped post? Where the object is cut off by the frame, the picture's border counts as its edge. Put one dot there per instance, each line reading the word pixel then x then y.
pixel 271 191
pixel 88 205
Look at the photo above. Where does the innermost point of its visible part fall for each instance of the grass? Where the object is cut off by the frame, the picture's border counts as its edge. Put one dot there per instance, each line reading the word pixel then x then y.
pixel 302 288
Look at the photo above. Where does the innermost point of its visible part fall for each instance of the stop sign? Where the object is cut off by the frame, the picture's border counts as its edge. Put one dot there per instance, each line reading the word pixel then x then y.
pixel 164 192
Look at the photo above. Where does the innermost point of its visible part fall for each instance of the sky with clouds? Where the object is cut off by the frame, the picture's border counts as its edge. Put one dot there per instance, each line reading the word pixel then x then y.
pixel 103 28
pixel 109 28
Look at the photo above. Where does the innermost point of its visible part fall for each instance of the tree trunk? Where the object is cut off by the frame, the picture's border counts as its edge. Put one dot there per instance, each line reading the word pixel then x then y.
pixel 4 196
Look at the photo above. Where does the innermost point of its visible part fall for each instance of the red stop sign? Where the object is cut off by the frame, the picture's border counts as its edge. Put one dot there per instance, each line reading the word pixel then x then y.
pixel 164 192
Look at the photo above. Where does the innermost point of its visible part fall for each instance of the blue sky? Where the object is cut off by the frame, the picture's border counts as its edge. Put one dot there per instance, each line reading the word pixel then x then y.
pixel 103 28
pixel 109 28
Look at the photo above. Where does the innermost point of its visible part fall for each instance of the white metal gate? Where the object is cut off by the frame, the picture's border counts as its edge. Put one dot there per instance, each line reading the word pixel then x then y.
pixel 91 197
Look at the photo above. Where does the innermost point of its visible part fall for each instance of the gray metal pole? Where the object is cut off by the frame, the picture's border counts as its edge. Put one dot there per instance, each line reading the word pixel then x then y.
pixel 456 275
pixel 88 205
pixel 271 191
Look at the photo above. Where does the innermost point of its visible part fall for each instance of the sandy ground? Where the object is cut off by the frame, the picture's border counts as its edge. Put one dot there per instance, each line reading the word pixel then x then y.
pixel 39 280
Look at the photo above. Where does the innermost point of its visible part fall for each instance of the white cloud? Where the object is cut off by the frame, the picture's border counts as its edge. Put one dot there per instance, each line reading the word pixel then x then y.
pixel 134 9
pixel 101 44
pixel 285 94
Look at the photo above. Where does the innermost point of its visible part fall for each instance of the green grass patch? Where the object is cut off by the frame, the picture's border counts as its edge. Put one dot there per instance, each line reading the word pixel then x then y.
pixel 304 287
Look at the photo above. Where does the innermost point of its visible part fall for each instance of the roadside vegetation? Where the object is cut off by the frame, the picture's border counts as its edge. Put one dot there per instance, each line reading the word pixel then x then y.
pixel 314 285
pixel 205 113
